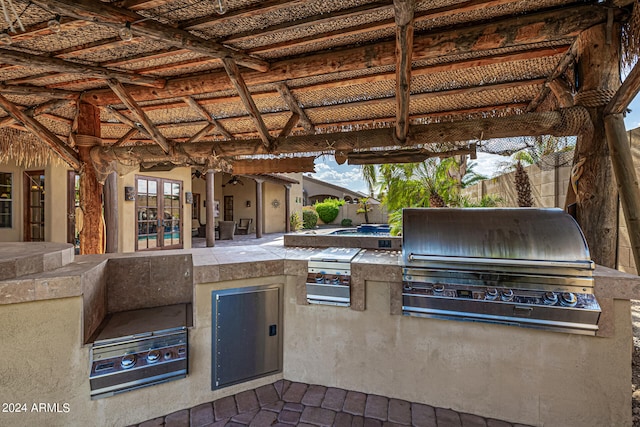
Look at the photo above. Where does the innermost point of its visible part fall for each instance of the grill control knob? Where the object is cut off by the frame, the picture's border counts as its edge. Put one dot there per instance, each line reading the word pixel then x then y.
pixel 438 289
pixel 568 299
pixel 128 360
pixel 167 355
pixel 492 294
pixel 550 298
pixel 153 356
pixel 506 295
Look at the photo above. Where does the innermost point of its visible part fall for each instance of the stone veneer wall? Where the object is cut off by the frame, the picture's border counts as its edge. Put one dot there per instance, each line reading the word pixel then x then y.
pixel 549 188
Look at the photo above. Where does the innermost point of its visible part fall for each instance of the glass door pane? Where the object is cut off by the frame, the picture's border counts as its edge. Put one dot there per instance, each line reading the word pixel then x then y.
pixel 34 206
pixel 158 218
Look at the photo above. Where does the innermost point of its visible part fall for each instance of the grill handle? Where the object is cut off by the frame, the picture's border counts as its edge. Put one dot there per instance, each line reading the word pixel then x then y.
pixel 503 261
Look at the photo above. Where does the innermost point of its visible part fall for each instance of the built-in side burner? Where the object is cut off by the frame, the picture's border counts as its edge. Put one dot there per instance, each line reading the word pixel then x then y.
pixel 139 348
pixel 329 276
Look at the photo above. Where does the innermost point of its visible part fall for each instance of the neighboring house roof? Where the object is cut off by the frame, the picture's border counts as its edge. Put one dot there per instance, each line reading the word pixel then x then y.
pixel 329 186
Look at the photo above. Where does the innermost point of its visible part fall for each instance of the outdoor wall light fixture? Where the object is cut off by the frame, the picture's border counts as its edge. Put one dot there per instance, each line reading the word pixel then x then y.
pixel 248 204
pixel 125 32
pixel 129 194
pixel 220 7
pixel 54 24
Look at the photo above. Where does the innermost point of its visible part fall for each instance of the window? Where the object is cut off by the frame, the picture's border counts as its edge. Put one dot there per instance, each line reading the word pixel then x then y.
pixel 6 200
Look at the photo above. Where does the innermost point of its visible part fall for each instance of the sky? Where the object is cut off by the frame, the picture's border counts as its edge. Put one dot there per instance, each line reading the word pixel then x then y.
pixel 349 176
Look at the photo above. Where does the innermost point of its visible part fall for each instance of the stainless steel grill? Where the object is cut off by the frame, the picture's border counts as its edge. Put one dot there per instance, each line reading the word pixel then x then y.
pixel 521 267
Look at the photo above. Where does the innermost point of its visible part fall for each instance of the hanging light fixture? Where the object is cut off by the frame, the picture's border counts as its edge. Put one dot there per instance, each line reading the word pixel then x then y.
pixel 54 24
pixel 5 38
pixel 221 7
pixel 125 32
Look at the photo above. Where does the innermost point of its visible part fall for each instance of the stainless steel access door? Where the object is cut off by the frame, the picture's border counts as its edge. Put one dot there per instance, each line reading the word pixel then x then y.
pixel 246 334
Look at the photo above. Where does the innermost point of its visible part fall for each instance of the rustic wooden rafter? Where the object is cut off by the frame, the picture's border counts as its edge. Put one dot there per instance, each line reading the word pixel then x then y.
pixel 293 105
pixel 530 124
pixel 126 137
pixel 132 105
pixel 413 155
pixel 204 114
pixel 36 111
pixel 15 57
pixel 403 11
pixel 544 26
pixel 562 92
pixel 288 127
pixel 247 100
pixel 568 59
pixel 41 132
pixel 200 134
pixel 106 14
pixel 283 165
pixel 37 90
pixel 126 120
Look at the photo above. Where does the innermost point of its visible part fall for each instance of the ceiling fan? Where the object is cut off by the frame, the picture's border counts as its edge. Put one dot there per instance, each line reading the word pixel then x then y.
pixel 234 180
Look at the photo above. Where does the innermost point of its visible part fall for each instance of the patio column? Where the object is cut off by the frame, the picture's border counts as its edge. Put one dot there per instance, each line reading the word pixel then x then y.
pixel 287 208
pixel 259 208
pixel 110 196
pixel 596 196
pixel 88 136
pixel 210 226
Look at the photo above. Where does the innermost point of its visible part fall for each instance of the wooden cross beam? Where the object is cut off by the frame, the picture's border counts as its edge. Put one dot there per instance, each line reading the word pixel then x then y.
pixel 14 57
pixel 40 91
pixel 237 80
pixel 625 93
pixel 106 14
pixel 44 134
pixel 403 10
pixel 35 111
pixel 295 108
pixel 205 115
pixel 132 105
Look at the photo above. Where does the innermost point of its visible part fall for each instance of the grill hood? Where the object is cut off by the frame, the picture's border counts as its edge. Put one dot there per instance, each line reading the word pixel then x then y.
pixel 515 240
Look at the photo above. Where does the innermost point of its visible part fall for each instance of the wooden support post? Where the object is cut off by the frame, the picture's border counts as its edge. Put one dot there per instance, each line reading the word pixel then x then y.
pixel 287 208
pixel 622 160
pixel 596 198
pixel 210 226
pixel 404 52
pixel 259 208
pixel 92 233
pixel 110 195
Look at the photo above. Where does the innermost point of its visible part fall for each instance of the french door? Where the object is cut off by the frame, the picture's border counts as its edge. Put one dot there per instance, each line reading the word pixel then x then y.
pixel 34 206
pixel 158 213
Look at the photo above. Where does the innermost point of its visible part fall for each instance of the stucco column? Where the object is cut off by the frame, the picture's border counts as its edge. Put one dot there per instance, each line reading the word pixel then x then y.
pixel 287 208
pixel 209 213
pixel 259 208
pixel 110 196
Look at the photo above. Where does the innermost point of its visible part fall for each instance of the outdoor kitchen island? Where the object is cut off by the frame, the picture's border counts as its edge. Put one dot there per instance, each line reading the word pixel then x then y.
pixel 515 374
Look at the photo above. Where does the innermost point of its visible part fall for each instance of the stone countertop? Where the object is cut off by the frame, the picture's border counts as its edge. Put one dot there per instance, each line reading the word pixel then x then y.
pixel 232 263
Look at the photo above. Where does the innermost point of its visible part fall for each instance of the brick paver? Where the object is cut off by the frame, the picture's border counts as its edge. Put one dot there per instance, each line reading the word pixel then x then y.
pixel 177 419
pixel 399 411
pixel 201 415
pixel 285 404
pixel 247 401
pixel 263 418
pixel 470 420
pixel 376 407
pixel 447 418
pixel 334 399
pixel 318 416
pixel 314 395
pixel 422 415
pixel 295 392
pixel 225 408
pixel 354 403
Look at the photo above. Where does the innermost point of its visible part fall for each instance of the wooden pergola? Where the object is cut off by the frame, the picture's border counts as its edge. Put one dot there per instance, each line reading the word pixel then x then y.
pixel 268 85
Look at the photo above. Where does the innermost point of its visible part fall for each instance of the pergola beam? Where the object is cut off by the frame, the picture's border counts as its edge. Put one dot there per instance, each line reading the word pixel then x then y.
pixel 39 91
pixel 140 115
pixel 204 114
pixel 58 65
pixel 403 11
pixel 626 93
pixel 106 14
pixel 544 26
pixel 566 122
pixel 295 108
pixel 44 134
pixel 237 80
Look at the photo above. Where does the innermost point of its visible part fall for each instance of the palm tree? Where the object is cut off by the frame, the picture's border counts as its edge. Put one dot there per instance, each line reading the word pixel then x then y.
pixel 369 176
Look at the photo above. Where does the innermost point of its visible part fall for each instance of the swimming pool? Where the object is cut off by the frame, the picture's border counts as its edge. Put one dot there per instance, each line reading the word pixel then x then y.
pixel 365 230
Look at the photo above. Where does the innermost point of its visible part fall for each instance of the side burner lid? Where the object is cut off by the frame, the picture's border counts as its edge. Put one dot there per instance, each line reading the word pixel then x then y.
pixel 335 254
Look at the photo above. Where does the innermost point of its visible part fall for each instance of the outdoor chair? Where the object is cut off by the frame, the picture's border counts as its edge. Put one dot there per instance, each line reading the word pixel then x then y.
pixel 195 225
pixel 244 225
pixel 227 229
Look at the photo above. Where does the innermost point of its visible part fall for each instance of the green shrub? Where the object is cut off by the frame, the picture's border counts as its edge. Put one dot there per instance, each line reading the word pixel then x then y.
pixel 295 222
pixel 309 219
pixel 329 209
pixel 346 222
